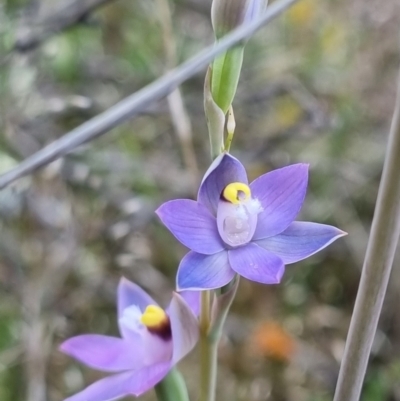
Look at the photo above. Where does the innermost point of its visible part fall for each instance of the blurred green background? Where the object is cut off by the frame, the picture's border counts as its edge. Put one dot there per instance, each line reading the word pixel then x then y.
pixel 318 86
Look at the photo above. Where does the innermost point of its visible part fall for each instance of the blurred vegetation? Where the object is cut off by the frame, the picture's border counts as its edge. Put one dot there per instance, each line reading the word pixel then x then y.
pixel 318 86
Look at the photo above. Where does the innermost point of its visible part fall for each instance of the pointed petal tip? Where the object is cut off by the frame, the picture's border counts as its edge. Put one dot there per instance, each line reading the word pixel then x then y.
pixel 63 347
pixel 301 240
pixel 122 282
pixel 67 346
pixel 164 207
pixel 339 234
pixel 300 166
pixel 158 211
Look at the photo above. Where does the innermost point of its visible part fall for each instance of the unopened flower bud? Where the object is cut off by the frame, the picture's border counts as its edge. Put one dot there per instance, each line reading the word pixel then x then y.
pixel 226 15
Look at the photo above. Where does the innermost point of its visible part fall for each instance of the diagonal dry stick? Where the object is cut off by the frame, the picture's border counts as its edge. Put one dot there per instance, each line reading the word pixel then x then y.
pixel 132 105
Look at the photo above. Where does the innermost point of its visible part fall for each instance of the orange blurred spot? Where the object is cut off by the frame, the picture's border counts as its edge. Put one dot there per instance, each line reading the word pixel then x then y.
pixel 273 341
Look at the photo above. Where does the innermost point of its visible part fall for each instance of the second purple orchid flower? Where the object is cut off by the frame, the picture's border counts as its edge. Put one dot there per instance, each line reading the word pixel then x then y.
pixel 152 342
pixel 249 229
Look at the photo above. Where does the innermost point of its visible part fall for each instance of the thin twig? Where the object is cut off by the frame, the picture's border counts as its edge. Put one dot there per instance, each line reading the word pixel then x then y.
pixel 132 105
pixel 179 115
pixel 61 19
pixel 378 262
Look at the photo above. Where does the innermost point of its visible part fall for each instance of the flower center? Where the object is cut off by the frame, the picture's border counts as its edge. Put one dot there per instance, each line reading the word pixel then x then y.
pixel 156 321
pixel 154 317
pixel 237 214
pixel 236 193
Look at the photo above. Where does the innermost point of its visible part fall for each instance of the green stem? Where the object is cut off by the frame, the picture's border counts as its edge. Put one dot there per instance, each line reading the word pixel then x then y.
pixel 172 387
pixel 208 351
pixel 208 368
pixel 378 262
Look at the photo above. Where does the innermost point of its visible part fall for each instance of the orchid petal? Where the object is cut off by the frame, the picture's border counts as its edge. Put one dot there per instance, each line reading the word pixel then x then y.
pixel 193 299
pixel 301 240
pixel 256 264
pixel 130 294
pixel 184 327
pixel 147 378
pixel 203 272
pixel 109 354
pixel 192 224
pixel 117 386
pixel 281 194
pixel 223 171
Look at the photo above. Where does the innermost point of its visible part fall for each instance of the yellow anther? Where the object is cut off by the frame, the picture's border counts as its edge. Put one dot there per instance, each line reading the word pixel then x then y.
pixel 236 192
pixel 153 316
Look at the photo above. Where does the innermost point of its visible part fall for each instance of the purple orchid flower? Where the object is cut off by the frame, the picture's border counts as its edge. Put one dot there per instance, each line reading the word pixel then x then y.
pixel 153 341
pixel 246 229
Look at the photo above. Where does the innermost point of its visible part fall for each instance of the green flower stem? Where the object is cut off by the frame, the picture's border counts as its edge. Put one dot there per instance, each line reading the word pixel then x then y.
pixel 172 387
pixel 208 366
pixel 208 351
pixel 378 262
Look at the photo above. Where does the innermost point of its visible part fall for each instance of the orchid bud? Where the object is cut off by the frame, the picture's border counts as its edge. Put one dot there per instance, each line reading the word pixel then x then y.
pixel 225 77
pixel 227 15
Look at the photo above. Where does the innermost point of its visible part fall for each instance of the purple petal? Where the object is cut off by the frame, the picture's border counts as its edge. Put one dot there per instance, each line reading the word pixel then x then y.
pixel 281 193
pixel 301 240
pixel 193 299
pixel 192 224
pixel 109 354
pixel 204 272
pixel 107 389
pixel 256 264
pixel 123 384
pixel 223 171
pixel 131 294
pixel 147 378
pixel 184 327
